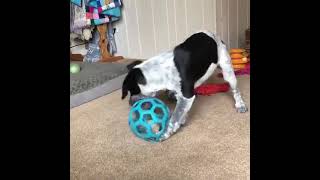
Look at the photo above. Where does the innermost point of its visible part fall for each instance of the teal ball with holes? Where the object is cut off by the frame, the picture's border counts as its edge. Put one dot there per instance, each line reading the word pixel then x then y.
pixel 148 119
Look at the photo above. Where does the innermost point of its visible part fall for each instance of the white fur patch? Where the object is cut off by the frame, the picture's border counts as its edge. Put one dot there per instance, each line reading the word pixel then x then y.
pixel 160 73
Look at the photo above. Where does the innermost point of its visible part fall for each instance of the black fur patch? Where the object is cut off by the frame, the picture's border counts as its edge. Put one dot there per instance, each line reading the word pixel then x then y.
pixel 131 65
pixel 131 82
pixel 193 58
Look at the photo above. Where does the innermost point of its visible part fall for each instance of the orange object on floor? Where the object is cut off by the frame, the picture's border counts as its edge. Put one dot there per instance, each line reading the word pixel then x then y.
pixel 237 55
pixel 237 50
pixel 239 66
pixel 239 61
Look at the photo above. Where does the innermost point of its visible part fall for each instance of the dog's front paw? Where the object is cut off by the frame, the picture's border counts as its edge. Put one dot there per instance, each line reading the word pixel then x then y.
pixel 242 109
pixel 183 121
pixel 172 128
pixel 164 137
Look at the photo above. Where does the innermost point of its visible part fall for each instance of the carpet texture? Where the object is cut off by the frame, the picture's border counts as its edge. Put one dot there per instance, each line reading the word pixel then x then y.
pixel 213 145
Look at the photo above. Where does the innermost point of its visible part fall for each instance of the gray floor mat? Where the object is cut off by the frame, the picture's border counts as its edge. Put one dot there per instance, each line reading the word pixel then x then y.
pixel 93 75
pixel 95 80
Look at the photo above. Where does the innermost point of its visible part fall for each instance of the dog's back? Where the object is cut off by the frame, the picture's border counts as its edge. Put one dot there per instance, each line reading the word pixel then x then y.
pixel 190 63
pixel 195 55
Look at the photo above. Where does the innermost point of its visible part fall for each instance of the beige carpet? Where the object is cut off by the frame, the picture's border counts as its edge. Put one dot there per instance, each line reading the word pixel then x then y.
pixel 214 145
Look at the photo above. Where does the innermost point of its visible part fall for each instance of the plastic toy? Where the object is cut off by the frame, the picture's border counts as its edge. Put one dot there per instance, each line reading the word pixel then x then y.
pixel 74 68
pixel 240 61
pixel 236 50
pixel 148 119
pixel 245 71
pixel 208 89
pixel 239 58
pixel 238 66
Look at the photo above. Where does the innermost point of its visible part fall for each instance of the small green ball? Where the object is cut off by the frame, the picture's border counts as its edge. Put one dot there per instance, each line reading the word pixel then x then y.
pixel 74 68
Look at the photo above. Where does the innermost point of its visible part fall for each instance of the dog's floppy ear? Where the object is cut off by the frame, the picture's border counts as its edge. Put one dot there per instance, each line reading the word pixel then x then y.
pixel 130 83
pixel 131 65
pixel 124 93
pixel 125 86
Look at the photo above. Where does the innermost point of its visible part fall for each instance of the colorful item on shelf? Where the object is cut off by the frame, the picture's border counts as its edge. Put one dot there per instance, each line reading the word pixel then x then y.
pixel 98 12
pixel 78 19
pixel 77 2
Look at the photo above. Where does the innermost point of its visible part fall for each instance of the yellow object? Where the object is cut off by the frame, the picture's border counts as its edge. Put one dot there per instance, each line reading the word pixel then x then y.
pixel 239 61
pixel 237 50
pixel 236 56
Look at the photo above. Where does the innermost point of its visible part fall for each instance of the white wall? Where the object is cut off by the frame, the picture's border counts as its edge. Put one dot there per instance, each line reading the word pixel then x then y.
pixel 148 27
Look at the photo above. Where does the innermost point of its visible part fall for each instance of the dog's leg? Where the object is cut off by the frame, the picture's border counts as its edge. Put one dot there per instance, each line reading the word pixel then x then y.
pixel 229 76
pixel 178 116
pixel 185 100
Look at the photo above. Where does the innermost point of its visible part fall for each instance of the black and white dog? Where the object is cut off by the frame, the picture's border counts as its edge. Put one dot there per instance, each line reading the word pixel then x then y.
pixel 181 71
